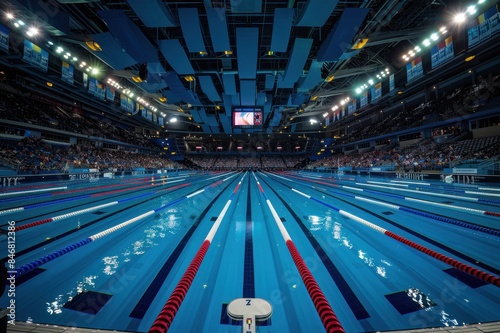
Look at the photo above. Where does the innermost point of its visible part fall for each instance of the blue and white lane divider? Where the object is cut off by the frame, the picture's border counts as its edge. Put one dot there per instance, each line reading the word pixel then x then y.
pixel 45 259
pixel 53 202
pixel 34 191
pixel 425 214
pixel 455 263
pixel 441 194
pixel 401 197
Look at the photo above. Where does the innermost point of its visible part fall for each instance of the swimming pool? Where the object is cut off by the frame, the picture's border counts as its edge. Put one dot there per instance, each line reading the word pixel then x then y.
pixel 109 253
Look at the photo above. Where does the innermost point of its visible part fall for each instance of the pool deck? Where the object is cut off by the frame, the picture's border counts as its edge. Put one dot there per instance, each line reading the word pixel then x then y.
pixel 493 327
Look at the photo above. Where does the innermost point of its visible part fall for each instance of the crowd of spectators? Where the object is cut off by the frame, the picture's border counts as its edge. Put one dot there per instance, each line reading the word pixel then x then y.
pixel 460 102
pixel 32 156
pixel 260 161
pixel 23 108
pixel 426 155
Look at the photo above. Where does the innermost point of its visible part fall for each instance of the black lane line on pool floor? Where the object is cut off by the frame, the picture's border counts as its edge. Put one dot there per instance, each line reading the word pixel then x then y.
pixel 350 297
pixel 149 295
pixel 69 232
pixel 248 272
pixel 419 235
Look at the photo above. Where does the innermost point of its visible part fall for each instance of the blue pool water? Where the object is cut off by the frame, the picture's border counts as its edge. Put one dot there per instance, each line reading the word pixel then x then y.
pixel 121 279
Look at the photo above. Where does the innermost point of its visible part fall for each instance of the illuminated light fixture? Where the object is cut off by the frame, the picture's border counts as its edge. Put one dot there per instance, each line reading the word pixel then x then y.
pixel 442 29
pixel 228 53
pixel 315 97
pixel 65 56
pixel 325 114
pixel 471 10
pixel 400 92
pixel 426 42
pixel 239 148
pixel 83 64
pixel 335 107
pixel 59 49
pixel 32 31
pixel 93 45
pixel 279 148
pixel 95 71
pixel 21 23
pixel 189 78
pixel 270 53
pixel 370 81
pixel 417 49
pixel 460 18
pixel 434 36
pixel 469 58
pixel 173 120
pixel 481 1
pixel 444 32
pixel 378 76
pixel 50 43
pixel 50 84
pixel 10 16
pixel 162 99
pixel 203 53
pixel 136 79
pixel 16 24
pixel 360 43
pixel 329 78
pixel 342 102
pixel 75 58
pixel 217 107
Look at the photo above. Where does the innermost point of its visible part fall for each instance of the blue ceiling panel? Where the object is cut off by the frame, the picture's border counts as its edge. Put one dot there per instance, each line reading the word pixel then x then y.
pixel 247 43
pixel 247 92
pixel 171 96
pixel 173 51
pixel 129 35
pixel 112 52
pixel 196 117
pixel 261 99
pixel 212 121
pixel 229 84
pixel 218 29
pixel 235 99
pixel 176 90
pixel 298 58
pixel 226 123
pixel 246 6
pixel 340 37
pixel 280 83
pixel 316 12
pixel 190 25
pixel 275 120
pixel 348 55
pixel 153 13
pixel 269 85
pixel 208 87
pixel 313 77
pixel 228 104
pixel 283 18
pixel 55 21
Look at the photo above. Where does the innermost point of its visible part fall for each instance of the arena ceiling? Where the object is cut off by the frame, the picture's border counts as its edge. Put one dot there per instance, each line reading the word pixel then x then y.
pixel 292 58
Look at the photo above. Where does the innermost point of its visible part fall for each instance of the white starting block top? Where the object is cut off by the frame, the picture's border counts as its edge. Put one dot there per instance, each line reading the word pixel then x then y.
pixel 249 310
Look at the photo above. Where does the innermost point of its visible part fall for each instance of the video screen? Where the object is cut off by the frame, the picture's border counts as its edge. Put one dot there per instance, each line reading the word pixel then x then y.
pixel 247 117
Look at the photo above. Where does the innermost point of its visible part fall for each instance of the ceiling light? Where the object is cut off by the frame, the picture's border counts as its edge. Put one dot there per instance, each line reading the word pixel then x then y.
pixel 434 36
pixel 460 18
pixel 95 71
pixel 471 10
pixel 10 16
pixel 426 42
